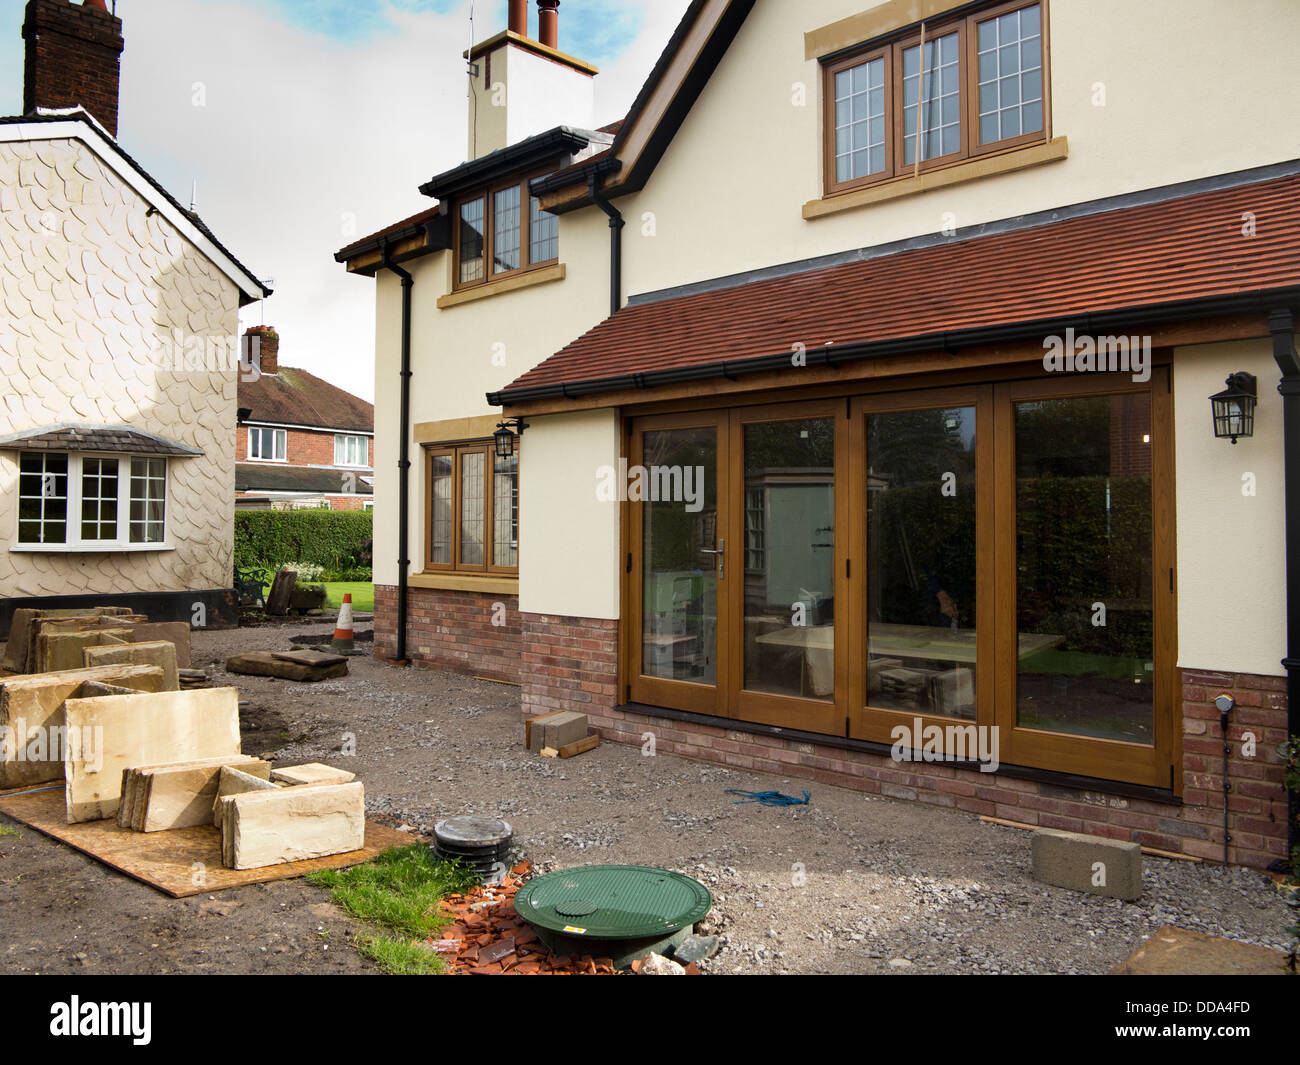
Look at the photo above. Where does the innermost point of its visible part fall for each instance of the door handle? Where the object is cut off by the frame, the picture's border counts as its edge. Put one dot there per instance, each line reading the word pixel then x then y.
pixel 721 552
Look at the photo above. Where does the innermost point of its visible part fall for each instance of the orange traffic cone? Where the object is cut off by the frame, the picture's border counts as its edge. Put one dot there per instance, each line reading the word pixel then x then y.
pixel 343 627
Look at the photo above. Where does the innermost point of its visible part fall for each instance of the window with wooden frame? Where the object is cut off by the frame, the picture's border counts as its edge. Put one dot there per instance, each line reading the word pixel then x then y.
pixel 950 90
pixel 502 230
pixel 471 509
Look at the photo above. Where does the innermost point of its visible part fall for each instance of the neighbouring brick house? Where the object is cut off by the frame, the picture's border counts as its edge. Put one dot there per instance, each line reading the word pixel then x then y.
pixel 302 443
pixel 858 400
pixel 119 329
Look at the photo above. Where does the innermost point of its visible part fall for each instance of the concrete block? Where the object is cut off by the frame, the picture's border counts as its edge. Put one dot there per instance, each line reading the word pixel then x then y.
pixel 293 824
pixel 33 728
pixel 142 730
pixel 563 729
pixel 311 773
pixel 1090 864
pixel 534 727
pixel 158 653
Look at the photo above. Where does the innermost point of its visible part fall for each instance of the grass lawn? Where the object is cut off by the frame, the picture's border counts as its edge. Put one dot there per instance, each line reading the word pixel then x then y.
pixel 363 595
pixel 399 891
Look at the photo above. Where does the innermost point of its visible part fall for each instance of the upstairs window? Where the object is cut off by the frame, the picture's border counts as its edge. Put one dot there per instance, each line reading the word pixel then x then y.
pixel 351 450
pixel 494 227
pixel 267 445
pixel 951 90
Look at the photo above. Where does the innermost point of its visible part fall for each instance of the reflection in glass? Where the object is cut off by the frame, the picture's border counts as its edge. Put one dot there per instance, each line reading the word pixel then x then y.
pixel 1083 566
pixel 789 558
pixel 440 519
pixel 921 561
pixel 471 508
pixel 680 586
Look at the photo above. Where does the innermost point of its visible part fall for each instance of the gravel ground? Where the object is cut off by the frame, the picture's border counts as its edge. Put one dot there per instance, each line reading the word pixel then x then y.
pixel 849 884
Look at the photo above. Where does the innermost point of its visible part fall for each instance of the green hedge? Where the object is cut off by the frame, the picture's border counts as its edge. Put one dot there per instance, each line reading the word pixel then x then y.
pixel 336 539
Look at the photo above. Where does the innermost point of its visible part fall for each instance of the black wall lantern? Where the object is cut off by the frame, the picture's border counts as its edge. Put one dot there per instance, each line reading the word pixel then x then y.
pixel 504 438
pixel 1234 407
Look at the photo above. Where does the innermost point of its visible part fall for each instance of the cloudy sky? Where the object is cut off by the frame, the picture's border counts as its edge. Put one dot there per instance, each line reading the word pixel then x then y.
pixel 307 123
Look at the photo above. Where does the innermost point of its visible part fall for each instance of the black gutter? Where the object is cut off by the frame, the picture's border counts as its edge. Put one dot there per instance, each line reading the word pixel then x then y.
pixel 562 140
pixel 404 461
pixel 436 231
pixel 601 167
pixel 1257 302
pixel 1281 324
pixel 615 243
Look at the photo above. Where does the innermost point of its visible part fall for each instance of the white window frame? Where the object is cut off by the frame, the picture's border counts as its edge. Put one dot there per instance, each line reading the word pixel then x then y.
pixel 341 439
pixel 73 541
pixel 279 444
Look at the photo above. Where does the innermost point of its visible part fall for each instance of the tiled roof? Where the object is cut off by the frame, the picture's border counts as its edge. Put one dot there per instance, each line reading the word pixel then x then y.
pixel 1187 248
pixel 271 477
pixel 115 438
pixel 396 227
pixel 296 397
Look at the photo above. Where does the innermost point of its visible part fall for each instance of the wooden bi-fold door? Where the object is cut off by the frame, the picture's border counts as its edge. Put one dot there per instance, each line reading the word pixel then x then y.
pixel 736 565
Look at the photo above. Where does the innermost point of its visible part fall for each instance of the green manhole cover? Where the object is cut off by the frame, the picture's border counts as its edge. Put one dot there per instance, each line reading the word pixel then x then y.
pixel 613 901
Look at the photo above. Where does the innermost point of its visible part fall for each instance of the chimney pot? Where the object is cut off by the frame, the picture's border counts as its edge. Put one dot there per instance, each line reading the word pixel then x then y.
pixel 548 23
pixel 519 17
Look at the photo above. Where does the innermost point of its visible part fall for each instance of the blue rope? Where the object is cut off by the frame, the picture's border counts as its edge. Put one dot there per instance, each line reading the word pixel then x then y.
pixel 768 798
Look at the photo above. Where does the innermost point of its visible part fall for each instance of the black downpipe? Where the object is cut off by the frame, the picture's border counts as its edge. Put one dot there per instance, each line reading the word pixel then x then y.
pixel 616 224
pixel 1281 324
pixel 404 461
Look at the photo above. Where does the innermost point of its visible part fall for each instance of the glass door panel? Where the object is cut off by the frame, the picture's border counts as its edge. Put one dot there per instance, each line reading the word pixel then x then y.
pixel 679 553
pixel 1084 585
pixel 789 558
pixel 921 561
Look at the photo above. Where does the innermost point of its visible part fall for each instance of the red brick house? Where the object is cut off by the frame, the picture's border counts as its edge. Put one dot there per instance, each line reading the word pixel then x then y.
pixel 302 442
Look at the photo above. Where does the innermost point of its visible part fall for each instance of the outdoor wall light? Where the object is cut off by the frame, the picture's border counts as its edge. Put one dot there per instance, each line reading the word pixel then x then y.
pixel 504 437
pixel 1234 407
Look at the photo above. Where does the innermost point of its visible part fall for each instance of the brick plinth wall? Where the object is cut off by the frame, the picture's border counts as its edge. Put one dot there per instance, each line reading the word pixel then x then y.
pixel 452 630
pixel 1257 799
pixel 571 663
pixel 568 664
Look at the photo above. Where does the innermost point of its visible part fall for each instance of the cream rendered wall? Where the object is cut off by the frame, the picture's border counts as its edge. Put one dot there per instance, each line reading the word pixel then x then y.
pixel 460 353
pixel 569 538
pixel 1193 88
pixel 519 94
pixel 1231 549
pixel 92 289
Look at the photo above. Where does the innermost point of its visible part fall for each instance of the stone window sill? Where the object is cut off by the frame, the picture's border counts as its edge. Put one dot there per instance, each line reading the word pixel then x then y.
pixel 463 582
pixel 526 279
pixel 87 549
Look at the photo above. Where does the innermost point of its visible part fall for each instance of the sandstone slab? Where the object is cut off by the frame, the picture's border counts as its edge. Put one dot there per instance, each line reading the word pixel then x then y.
pixel 142 730
pixel 292 824
pixel 33 728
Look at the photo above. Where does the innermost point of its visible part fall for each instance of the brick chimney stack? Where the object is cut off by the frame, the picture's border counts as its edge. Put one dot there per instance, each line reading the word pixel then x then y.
pixel 73 58
pixel 262 348
pixel 548 23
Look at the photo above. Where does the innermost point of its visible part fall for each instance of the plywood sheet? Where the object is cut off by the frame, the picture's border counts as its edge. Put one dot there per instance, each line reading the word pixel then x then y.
pixel 171 861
